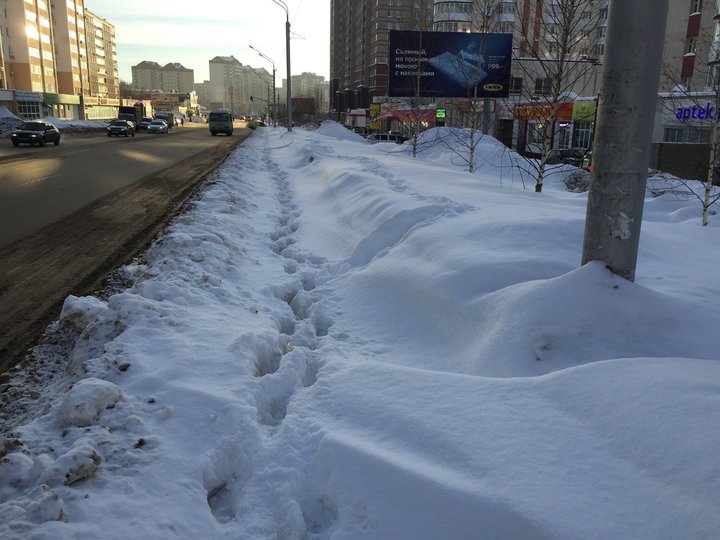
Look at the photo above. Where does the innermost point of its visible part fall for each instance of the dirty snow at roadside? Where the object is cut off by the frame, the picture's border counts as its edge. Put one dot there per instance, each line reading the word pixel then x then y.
pixel 338 341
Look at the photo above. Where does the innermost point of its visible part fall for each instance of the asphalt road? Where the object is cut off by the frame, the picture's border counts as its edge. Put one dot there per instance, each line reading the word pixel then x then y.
pixel 39 186
pixel 73 213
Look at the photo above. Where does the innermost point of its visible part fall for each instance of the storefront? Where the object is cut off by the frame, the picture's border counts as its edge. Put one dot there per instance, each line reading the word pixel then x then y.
pixel 533 119
pixel 574 124
pixel 34 105
pixel 63 106
pixel 29 105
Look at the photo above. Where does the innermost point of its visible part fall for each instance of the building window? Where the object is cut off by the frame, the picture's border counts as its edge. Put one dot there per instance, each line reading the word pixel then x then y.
pixel 516 85
pixel 507 7
pixel 690 45
pixel 506 27
pixel 695 6
pixel 673 135
pixel 536 132
pixel 29 110
pixel 687 135
pixel 543 87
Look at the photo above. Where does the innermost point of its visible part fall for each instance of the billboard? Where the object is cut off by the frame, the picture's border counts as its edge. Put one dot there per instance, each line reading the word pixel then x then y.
pixel 449 64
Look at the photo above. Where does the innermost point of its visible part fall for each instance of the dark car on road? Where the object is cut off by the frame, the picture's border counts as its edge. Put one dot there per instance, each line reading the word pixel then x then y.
pixel 121 127
pixel 144 123
pixel 35 132
pixel 570 156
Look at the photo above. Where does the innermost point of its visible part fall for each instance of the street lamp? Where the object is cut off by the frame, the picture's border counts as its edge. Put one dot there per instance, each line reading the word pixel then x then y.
pixel 287 51
pixel 274 100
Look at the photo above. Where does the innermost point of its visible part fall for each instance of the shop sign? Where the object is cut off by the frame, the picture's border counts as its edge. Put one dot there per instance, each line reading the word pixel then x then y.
pixel 28 96
pixel 584 111
pixel 535 111
pixel 697 113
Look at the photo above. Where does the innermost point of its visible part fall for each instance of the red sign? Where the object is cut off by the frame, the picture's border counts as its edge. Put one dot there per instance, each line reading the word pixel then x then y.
pixel 538 111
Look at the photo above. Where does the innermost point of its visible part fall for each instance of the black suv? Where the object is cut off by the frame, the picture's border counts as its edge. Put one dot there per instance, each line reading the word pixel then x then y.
pixel 121 127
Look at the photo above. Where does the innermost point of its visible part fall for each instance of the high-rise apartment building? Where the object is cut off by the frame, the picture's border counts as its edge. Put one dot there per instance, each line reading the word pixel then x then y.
pixel 359 42
pixel 146 76
pixel 232 84
pixel 689 36
pixel 29 55
pixel 57 59
pixel 174 77
pixel 101 48
pixel 170 78
pixel 224 79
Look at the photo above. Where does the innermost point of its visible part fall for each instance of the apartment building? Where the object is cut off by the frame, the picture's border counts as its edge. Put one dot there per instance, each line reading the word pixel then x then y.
pixel 29 57
pixel 101 47
pixel 224 79
pixel 49 65
pixel 171 78
pixel 359 45
pixel 174 77
pixel 202 90
pixel 232 84
pixel 146 76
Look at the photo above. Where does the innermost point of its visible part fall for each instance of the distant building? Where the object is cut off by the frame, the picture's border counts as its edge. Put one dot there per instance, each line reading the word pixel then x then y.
pixel 308 85
pixel 203 91
pixel 146 76
pixel 232 85
pixel 175 77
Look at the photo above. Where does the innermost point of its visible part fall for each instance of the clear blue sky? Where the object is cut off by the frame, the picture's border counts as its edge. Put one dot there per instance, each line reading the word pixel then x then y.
pixel 192 33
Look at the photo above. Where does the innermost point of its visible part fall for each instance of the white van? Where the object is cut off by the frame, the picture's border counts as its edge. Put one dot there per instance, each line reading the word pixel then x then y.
pixel 383 137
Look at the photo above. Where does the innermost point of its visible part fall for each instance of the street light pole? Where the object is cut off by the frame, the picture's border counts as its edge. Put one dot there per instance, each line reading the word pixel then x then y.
pixel 287 51
pixel 274 91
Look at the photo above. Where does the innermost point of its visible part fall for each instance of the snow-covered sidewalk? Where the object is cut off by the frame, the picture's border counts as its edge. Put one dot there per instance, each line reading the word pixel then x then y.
pixel 339 341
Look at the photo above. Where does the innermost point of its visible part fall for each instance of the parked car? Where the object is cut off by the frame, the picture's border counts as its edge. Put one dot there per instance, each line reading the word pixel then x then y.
pixel 401 138
pixel 35 132
pixel 256 123
pixel 144 123
pixel 375 138
pixel 570 156
pixel 121 127
pixel 157 126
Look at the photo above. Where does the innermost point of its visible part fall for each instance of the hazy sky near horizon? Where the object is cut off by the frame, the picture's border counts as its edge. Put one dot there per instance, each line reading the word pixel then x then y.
pixel 192 33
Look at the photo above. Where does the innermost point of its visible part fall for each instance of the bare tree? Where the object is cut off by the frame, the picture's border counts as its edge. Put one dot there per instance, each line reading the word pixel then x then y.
pixel 556 49
pixel 414 110
pixel 473 112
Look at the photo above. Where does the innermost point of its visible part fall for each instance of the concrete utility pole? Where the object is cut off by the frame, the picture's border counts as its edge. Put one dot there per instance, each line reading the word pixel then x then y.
pixel 621 152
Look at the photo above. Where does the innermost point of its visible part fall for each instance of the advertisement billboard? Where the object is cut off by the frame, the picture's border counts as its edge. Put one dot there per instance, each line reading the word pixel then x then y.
pixel 449 64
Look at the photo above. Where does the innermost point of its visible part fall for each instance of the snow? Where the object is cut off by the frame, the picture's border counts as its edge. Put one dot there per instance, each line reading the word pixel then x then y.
pixel 8 122
pixel 338 341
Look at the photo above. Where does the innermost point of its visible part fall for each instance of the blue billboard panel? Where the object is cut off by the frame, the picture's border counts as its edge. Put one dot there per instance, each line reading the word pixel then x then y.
pixel 449 64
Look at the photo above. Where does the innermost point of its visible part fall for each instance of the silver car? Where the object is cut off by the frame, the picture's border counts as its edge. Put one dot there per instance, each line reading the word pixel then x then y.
pixel 157 126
